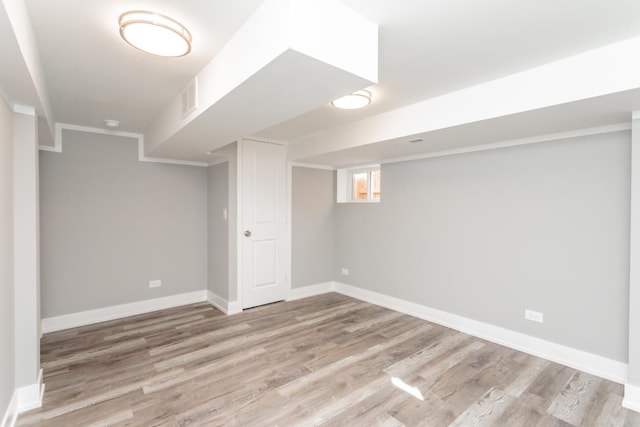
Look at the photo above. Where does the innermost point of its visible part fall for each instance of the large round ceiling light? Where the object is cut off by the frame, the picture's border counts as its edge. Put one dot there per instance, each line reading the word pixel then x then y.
pixel 155 33
pixel 358 99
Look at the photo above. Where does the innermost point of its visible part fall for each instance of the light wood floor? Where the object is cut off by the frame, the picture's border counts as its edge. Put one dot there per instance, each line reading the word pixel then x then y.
pixel 326 360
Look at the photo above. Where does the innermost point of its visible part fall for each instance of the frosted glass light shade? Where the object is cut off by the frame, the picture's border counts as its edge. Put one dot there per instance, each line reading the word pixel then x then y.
pixel 155 33
pixel 358 99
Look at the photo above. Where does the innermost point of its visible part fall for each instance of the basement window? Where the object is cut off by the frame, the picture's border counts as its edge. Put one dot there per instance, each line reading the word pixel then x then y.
pixel 361 184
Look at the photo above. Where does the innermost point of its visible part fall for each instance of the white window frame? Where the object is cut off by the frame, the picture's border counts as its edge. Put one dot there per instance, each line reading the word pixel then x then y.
pixel 345 184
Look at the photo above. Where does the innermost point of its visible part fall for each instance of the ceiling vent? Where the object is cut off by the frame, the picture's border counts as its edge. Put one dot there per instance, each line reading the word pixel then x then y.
pixel 190 98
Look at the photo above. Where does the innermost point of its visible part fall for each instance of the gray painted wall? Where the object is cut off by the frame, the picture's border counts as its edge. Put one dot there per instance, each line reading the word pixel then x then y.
pixel 109 224
pixel 7 363
pixel 487 235
pixel 312 226
pixel 218 229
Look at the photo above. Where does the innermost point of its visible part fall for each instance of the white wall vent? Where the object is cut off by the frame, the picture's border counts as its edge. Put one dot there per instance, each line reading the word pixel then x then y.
pixel 190 98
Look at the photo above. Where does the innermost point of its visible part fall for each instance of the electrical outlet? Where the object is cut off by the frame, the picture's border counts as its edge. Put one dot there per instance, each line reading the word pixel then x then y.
pixel 155 283
pixel 345 271
pixel 534 316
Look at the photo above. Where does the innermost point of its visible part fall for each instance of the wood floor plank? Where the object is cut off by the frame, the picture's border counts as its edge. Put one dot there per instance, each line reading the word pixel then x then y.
pixel 572 403
pixel 486 411
pixel 324 360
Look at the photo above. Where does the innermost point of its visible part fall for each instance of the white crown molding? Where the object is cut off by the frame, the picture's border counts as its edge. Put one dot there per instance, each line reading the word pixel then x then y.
pixel 515 142
pixel 89 317
pixel 267 140
pixel 218 161
pixel 312 166
pixel 57 147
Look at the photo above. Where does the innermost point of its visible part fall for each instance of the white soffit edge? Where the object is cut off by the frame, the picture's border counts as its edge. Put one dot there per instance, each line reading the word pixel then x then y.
pixel 291 56
pixel 608 70
pixel 36 93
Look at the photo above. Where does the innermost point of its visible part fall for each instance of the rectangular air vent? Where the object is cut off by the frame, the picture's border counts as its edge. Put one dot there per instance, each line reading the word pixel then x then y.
pixel 190 98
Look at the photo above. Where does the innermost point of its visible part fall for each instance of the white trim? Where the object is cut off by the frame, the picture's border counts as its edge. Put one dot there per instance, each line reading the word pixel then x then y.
pixel 631 397
pixel 574 358
pixel 24 109
pixel 312 290
pixel 234 307
pixel 288 222
pixel 57 141
pixel 11 414
pixel 632 393
pixel 239 220
pixel 78 128
pixel 515 142
pixel 222 304
pixel 312 166
pixel 218 161
pixel 342 188
pixel 104 314
pixel 267 140
pixel 23 399
pixel 30 397
pixel 137 136
pixel 362 201
pixel 143 158
pixel 217 301
pixel 344 183
pixel 53 149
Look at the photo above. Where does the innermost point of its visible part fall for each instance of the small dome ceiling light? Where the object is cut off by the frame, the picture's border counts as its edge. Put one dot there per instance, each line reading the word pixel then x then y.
pixel 113 124
pixel 358 99
pixel 155 33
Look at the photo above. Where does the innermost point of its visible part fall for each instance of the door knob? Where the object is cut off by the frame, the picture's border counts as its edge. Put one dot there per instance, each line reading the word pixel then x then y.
pixel 247 233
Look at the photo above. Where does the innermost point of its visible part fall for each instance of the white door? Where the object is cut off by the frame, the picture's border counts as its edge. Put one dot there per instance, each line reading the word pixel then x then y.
pixel 264 244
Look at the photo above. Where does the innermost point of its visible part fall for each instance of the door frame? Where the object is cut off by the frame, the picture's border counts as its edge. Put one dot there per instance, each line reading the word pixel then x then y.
pixel 237 305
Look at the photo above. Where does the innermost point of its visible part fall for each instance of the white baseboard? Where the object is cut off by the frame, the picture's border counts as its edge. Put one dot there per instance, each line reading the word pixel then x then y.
pixel 30 397
pixel 89 317
pixel 631 397
pixel 23 399
pixel 309 291
pixel 227 307
pixel 234 307
pixel 217 301
pixel 11 413
pixel 574 358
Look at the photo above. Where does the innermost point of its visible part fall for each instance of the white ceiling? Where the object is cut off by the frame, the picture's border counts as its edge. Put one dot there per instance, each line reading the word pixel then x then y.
pixel 92 75
pixel 426 49
pixel 430 48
